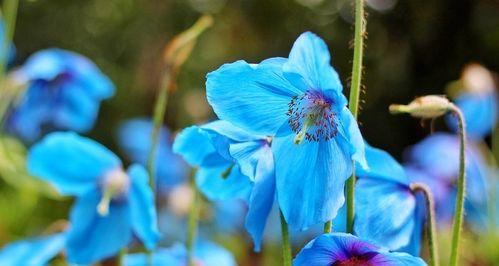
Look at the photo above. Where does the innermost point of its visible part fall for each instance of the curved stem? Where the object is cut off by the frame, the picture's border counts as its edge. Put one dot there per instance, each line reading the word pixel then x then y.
pixel 431 223
pixel 192 224
pixel 354 99
pixel 461 185
pixel 9 9
pixel 286 246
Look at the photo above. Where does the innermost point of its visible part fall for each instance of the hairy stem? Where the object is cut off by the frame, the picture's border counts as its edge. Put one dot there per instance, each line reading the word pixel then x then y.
pixel 431 223
pixel 286 246
pixel 192 224
pixel 354 99
pixel 461 185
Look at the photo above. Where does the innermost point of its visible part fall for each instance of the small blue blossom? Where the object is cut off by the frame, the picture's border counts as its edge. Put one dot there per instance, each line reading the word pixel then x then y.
pixel 63 92
pixel 299 101
pixel 346 249
pixel 111 206
pixel 134 137
pixel 232 164
pixel 32 252
pixel 388 213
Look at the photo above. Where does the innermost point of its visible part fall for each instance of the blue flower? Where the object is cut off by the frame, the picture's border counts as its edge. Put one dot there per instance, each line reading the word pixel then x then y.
pixel 12 49
pixel 112 204
pixel 64 91
pixel 232 164
pixel 435 162
pixel 134 137
pixel 346 249
pixel 32 252
pixel 299 101
pixel 205 253
pixel 388 213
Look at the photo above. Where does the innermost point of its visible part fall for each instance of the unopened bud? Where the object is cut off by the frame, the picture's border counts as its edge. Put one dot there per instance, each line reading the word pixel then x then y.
pixel 430 106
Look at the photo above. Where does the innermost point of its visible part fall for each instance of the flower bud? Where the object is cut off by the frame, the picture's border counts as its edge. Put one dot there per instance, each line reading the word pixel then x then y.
pixel 430 106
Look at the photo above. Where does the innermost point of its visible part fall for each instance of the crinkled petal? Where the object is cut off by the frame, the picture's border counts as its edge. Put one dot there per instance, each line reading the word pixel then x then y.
pixel 309 66
pixel 350 132
pixel 385 213
pixel 396 259
pixel 230 131
pixel 248 154
pixel 261 199
pixel 142 207
pixel 382 166
pixel 32 252
pixel 215 186
pixel 310 179
pixel 71 163
pixel 414 246
pixel 194 144
pixel 92 237
pixel 252 97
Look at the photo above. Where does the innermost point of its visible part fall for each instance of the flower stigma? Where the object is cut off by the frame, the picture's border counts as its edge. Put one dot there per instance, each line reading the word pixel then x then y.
pixel 116 183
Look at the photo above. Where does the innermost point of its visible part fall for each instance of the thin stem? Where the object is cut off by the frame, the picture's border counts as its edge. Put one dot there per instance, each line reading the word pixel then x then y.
pixel 286 246
pixel 461 185
pixel 121 257
pixel 10 15
pixel 192 224
pixel 353 104
pixel 431 223
pixel 328 226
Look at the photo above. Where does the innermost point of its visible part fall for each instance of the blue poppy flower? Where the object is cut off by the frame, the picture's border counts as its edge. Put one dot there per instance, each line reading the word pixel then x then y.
pixel 346 249
pixel 112 204
pixel 134 137
pixel 435 162
pixel 32 252
pixel 232 164
pixel 388 213
pixel 299 101
pixel 64 91
pixel 205 253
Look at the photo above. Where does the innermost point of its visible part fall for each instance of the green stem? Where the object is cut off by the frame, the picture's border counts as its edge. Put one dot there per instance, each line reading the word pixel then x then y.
pixel 353 104
pixel 328 226
pixel 461 185
pixel 192 224
pixel 121 257
pixel 286 246
pixel 10 14
pixel 431 223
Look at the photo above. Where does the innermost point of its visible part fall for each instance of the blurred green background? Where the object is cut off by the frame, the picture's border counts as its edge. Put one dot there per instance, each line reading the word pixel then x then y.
pixel 413 48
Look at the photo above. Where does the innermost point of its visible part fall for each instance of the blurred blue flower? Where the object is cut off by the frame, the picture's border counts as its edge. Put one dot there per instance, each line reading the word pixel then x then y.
pixel 11 49
pixel 346 249
pixel 434 161
pixel 134 137
pixel 205 253
pixel 232 164
pixel 32 252
pixel 64 91
pixel 112 204
pixel 299 101
pixel 388 213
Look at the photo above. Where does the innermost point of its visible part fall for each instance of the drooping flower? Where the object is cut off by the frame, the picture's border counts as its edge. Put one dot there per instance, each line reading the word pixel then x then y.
pixel 33 252
pixel 299 101
pixel 434 161
pixel 232 164
pixel 64 91
pixel 388 212
pixel 205 254
pixel 346 249
pixel 134 137
pixel 478 100
pixel 111 206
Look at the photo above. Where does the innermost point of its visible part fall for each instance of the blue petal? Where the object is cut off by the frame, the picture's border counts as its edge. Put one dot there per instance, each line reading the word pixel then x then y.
pixel 385 213
pixel 214 186
pixel 194 144
pixel 349 131
pixel 45 64
pixel 252 97
pixel 142 207
pixel 71 163
pixel 310 179
pixel 261 199
pixel 92 237
pixel 230 131
pixel 32 252
pixel 248 154
pixel 382 166
pixel 414 245
pixel 397 259
pixel 309 66
pixel 159 258
pixel 213 255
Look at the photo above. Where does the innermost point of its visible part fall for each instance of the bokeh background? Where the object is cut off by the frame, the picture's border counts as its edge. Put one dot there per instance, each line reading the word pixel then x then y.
pixel 413 48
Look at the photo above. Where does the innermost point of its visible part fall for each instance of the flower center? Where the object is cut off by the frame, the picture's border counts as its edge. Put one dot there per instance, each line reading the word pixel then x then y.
pixel 116 183
pixel 311 117
pixel 354 261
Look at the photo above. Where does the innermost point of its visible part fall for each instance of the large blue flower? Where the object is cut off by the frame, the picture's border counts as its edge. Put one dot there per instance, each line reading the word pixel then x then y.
pixel 299 101
pixel 388 213
pixel 134 138
pixel 32 252
pixel 232 164
pixel 435 162
pixel 112 204
pixel 64 91
pixel 346 249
